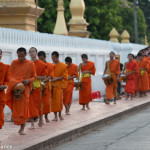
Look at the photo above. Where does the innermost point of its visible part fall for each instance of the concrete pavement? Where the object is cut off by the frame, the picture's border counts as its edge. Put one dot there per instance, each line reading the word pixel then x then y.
pixel 129 133
pixel 77 124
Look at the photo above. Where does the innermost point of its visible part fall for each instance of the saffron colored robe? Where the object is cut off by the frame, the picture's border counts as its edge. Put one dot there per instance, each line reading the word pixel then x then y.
pixel 111 90
pixel 130 83
pixel 20 71
pixel 4 80
pixel 143 77
pixel 85 94
pixel 46 98
pixel 58 86
pixel 35 102
pixel 68 91
pixel 136 75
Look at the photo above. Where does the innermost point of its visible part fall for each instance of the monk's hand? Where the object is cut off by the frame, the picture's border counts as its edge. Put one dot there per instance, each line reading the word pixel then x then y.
pixel 84 72
pixel 26 82
pixel 54 79
pixel 41 77
pixel 2 87
pixel 118 78
pixel 127 74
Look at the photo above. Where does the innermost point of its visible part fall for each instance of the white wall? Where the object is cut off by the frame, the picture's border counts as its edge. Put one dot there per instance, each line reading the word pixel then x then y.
pixel 97 50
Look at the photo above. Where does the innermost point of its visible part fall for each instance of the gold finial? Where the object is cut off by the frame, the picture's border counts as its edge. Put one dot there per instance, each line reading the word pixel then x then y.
pixel 77 24
pixel 125 37
pixel 146 43
pixel 60 27
pixel 114 35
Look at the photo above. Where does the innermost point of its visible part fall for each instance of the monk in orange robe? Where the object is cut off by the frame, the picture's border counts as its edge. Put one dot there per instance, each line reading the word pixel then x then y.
pixel 4 80
pixel 85 93
pixel 21 70
pixel 60 74
pixel 46 98
pixel 136 76
pixel 143 77
pixel 68 91
pixel 35 100
pixel 149 69
pixel 131 68
pixel 112 67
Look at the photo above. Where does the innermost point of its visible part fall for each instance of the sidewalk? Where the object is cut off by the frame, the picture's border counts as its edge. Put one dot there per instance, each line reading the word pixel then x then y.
pixel 73 125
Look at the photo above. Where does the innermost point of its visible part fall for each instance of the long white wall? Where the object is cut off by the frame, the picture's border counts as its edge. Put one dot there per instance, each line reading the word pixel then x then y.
pixel 97 50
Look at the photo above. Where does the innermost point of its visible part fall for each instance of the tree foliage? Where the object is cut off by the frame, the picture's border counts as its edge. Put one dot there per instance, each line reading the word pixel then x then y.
pixel 102 16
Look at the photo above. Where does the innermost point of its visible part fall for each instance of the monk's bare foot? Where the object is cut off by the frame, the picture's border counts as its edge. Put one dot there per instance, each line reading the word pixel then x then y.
pixel 127 98
pixel 55 119
pixel 40 124
pixel 47 120
pixel 19 131
pixel 22 132
pixel 32 128
pixel 61 118
pixel 115 102
pixel 67 113
pixel 107 102
pixel 88 107
pixel 83 109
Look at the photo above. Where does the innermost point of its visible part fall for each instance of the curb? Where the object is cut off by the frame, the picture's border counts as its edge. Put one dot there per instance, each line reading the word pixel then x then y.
pixel 68 136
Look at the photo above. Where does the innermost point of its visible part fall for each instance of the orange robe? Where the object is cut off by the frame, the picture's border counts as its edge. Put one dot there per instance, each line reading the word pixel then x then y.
pixel 4 80
pixel 46 98
pixel 20 71
pixel 85 94
pixel 35 102
pixel 58 86
pixel 136 75
pixel 143 78
pixel 67 92
pixel 111 90
pixel 130 84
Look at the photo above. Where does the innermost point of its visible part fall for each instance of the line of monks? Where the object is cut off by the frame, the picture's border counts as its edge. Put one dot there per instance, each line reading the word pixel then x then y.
pixel 136 74
pixel 49 86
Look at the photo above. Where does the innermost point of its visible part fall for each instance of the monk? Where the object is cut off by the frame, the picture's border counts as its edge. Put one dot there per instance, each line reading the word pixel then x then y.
pixel 21 70
pixel 131 68
pixel 68 91
pixel 46 98
pixel 136 77
pixel 35 102
pixel 143 77
pixel 4 80
pixel 112 67
pixel 60 74
pixel 87 69
pixel 149 69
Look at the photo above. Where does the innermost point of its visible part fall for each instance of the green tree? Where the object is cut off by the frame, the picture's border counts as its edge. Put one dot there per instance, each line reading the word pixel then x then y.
pixel 126 11
pixel 102 16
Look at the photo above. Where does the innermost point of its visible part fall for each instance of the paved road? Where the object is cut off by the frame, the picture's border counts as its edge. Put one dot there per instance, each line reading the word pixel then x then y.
pixel 130 133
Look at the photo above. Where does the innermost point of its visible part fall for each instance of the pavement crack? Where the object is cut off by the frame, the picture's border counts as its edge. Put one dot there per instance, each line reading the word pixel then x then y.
pixel 122 137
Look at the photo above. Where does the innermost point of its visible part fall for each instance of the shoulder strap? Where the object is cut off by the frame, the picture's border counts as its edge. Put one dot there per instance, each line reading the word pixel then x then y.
pixel 79 72
pixel 108 67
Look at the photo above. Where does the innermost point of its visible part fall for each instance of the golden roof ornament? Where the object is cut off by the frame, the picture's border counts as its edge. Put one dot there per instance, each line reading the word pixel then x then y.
pixel 125 37
pixel 114 35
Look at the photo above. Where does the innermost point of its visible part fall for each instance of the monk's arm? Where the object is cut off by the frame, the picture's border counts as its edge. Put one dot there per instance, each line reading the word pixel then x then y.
pixel 41 77
pixel 57 78
pixel 127 74
pixel 47 79
pixel 72 77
